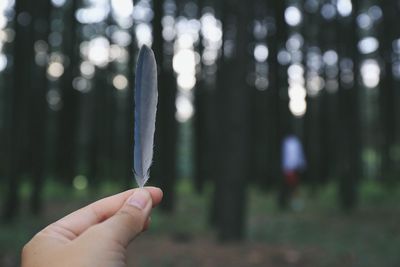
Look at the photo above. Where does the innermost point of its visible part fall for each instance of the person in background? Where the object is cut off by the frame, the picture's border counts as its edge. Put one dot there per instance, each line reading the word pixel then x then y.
pixel 293 164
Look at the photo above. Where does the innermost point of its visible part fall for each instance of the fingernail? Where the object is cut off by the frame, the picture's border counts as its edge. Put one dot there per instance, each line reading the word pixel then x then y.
pixel 139 199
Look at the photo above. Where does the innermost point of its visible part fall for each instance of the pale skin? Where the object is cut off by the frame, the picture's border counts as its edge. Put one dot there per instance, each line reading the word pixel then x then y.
pixel 96 235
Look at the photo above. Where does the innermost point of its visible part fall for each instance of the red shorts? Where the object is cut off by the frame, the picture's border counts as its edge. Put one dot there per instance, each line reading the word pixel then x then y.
pixel 292 178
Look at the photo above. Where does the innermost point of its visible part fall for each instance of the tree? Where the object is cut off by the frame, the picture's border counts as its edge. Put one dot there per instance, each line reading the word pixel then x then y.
pixel 17 138
pixel 67 121
pixel 38 108
pixel 349 116
pixel 164 169
pixel 232 115
pixel 387 93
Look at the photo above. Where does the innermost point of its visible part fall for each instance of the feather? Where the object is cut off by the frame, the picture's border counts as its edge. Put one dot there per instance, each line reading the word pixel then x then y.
pixel 146 95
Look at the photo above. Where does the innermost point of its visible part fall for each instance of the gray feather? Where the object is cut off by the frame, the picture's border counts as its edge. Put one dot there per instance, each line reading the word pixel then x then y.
pixel 146 95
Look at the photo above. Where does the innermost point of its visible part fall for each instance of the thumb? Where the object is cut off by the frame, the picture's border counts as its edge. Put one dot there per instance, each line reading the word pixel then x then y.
pixel 130 220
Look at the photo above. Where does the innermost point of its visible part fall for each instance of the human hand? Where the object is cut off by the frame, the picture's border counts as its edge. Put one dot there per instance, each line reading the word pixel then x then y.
pixel 96 235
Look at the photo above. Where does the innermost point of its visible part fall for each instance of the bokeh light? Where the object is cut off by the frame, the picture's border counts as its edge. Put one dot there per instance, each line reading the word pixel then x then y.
pixel 261 52
pixel 120 82
pixel 3 62
pixel 55 70
pixel 328 11
pixel 82 84
pixel 370 73
pixel 80 182
pixel 144 35
pixel 94 12
pixel 87 69
pixel 58 3
pixel 54 100
pixel 184 108
pixel 368 45
pixel 98 51
pixel 344 7
pixel 293 16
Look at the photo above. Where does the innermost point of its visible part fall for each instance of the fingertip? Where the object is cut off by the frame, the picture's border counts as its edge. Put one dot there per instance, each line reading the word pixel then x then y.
pixel 140 199
pixel 156 194
pixel 153 189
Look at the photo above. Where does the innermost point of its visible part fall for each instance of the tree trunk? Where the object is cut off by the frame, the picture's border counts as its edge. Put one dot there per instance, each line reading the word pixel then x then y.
pixel 280 101
pixel 67 121
pixel 17 138
pixel 39 110
pixel 164 169
pixel 387 92
pixel 349 115
pixel 233 99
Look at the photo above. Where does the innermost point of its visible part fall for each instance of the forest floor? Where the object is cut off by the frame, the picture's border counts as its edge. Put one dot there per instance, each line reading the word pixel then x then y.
pixel 317 235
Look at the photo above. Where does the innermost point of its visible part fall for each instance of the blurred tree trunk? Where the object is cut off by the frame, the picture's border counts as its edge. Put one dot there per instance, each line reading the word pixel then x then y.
pixel 321 117
pixel 277 106
pixel 101 159
pixel 6 91
pixel 201 98
pixel 202 151
pixel 110 112
pixel 396 97
pixel 130 121
pixel 164 169
pixel 312 118
pixel 326 153
pixel 98 161
pixel 349 116
pixel 280 101
pixel 232 114
pixel 38 110
pixel 387 90
pixel 18 126
pixel 204 118
pixel 128 176
pixel 260 111
pixel 67 121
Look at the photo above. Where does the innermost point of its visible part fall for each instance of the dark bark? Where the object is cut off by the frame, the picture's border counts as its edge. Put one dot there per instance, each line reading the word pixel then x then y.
pixel 321 113
pixel 204 123
pixel 67 121
pixel 98 161
pixel 259 112
pixel 233 99
pixel 38 110
pixel 387 99
pixel 164 167
pixel 200 127
pixel 204 134
pixel 278 106
pixel 349 116
pixel 280 100
pixel 130 122
pixel 17 138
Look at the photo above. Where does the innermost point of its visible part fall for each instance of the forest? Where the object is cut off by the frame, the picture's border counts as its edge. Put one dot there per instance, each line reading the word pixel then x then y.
pixel 236 81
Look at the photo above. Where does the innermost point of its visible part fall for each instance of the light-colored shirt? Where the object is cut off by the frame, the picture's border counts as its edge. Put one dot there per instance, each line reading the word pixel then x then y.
pixel 292 154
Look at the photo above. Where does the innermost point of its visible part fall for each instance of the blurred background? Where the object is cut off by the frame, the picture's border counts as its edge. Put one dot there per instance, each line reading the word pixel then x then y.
pixel 278 126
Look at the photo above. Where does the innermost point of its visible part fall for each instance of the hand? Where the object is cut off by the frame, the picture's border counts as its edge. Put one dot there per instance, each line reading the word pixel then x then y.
pixel 96 235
